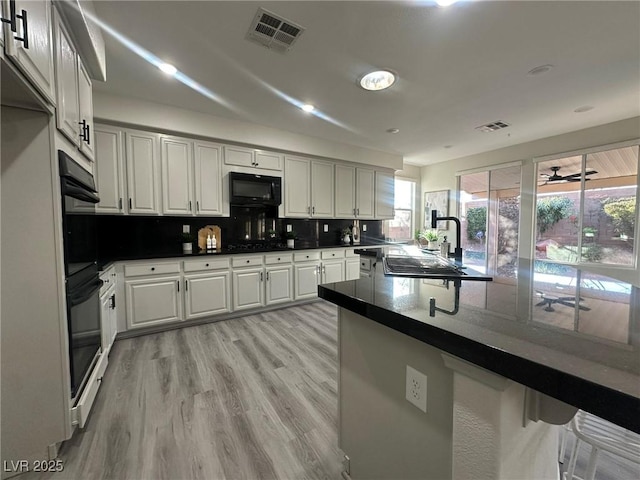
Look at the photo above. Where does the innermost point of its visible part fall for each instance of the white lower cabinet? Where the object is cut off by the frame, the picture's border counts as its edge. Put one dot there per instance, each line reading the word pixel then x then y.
pixel 153 301
pixel 306 280
pixel 332 271
pixel 248 289
pixel 278 284
pixel 206 294
pixel 352 269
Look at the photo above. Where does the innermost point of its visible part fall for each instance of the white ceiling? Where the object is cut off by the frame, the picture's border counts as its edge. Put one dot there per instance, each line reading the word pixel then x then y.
pixel 459 67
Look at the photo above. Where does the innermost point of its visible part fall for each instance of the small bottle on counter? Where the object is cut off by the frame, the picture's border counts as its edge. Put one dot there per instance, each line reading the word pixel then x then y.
pixel 214 243
pixel 444 248
pixel 209 242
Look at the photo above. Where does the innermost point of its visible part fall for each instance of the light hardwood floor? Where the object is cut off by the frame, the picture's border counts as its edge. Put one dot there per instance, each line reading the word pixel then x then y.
pixel 249 398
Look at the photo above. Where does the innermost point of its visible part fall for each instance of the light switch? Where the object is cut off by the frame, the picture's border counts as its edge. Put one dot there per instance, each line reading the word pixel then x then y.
pixel 364 227
pixel 326 228
pixel 186 229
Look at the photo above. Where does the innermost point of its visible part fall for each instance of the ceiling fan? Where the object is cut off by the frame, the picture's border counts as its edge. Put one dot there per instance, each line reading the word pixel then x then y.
pixel 556 177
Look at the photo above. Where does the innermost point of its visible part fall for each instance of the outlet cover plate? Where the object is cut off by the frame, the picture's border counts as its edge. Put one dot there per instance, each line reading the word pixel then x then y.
pixel 364 227
pixel 186 229
pixel 288 228
pixel 416 388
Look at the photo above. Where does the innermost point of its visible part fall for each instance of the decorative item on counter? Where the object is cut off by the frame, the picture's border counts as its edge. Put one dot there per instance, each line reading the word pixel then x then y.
pixel 346 236
pixel 272 236
pixel 209 242
pixel 291 239
pixel 355 234
pixel 212 231
pixel 187 242
pixel 431 236
pixel 444 248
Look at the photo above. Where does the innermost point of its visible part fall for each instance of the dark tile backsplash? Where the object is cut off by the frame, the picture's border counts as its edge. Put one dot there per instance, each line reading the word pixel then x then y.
pixel 129 236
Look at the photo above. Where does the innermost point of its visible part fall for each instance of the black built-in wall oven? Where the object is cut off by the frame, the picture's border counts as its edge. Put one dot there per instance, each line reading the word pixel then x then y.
pixel 80 242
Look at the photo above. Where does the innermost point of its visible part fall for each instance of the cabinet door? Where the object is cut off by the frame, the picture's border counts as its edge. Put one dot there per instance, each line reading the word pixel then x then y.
pixel 142 172
pixel 206 294
pixel 279 284
pixel 296 187
pixel 352 269
pixel 322 193
pixel 364 193
pixel 153 301
pixel 67 84
pixel 36 62
pixel 306 280
pixel 108 170
pixel 267 160
pixel 242 157
pixel 85 98
pixel 177 173
pixel 345 185
pixel 105 322
pixel 332 272
pixel 384 195
pixel 248 288
pixel 208 178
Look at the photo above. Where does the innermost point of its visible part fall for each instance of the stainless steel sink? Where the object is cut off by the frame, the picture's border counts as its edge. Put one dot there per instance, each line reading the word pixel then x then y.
pixel 428 267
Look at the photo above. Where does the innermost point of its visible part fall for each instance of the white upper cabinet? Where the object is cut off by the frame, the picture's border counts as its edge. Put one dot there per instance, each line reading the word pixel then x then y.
pixel 308 188
pixel 248 157
pixel 30 47
pixel 345 185
pixel 177 175
pixel 297 191
pixel 322 198
pixel 108 170
pixel 208 178
pixel 85 108
pixel 385 195
pixel 142 172
pixel 74 113
pixel 365 186
pixel 68 110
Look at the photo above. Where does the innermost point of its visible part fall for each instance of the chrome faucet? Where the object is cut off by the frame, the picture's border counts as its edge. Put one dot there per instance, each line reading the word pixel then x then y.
pixel 457 252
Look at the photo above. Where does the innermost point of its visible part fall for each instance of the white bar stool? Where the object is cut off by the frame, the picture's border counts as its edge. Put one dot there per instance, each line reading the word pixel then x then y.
pixel 601 435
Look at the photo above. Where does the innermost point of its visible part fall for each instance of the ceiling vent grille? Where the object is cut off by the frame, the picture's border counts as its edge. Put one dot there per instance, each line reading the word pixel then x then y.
pixel 273 31
pixel 492 127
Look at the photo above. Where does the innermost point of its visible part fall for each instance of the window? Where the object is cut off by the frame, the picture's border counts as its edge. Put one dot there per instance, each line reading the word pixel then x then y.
pixel 586 208
pixel 401 228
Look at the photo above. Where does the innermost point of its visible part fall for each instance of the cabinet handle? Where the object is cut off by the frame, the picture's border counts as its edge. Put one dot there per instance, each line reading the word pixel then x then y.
pixel 83 130
pixel 261 277
pixel 248 261
pixel 178 283
pixel 278 258
pixel 357 211
pixel 113 301
pixel 88 137
pixel 120 204
pixel 309 210
pixel 153 268
pixel 313 210
pixel 189 205
pixel 130 207
pixel 206 264
pixel 25 30
pixel 354 211
pixel 186 285
pixel 197 206
pixel 12 16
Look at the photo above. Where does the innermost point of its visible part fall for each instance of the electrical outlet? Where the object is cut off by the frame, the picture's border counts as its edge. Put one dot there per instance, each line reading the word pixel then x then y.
pixel 325 228
pixel 186 229
pixel 288 228
pixel 364 227
pixel 416 388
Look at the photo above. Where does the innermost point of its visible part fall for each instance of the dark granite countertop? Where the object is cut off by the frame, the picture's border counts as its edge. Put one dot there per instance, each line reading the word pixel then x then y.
pixel 590 368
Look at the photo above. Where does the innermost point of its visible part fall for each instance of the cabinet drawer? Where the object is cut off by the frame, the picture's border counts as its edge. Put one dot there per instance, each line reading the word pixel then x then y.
pixel 365 264
pixel 350 252
pixel 279 258
pixel 246 261
pixel 305 256
pixel 213 264
pixel 83 407
pixel 151 269
pixel 335 253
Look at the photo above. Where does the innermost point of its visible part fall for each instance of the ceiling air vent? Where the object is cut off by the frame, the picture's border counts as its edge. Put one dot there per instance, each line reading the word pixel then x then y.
pixel 492 127
pixel 273 32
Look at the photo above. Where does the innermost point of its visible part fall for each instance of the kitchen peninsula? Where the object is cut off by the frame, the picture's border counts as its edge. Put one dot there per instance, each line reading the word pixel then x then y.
pixel 496 383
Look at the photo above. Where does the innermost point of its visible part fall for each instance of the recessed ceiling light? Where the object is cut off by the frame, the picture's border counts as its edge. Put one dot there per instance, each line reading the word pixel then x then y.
pixel 307 107
pixel 393 130
pixel 378 80
pixel 168 68
pixel 445 3
pixel 539 70
pixel 583 109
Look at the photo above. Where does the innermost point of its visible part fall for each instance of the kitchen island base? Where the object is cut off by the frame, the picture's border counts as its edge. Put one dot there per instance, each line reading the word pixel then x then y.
pixel 475 425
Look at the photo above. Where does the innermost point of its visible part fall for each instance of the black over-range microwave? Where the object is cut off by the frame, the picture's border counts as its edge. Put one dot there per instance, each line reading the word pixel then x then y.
pixel 250 189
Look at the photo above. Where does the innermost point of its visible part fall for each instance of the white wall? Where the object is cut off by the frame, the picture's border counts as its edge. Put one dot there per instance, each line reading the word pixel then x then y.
pixel 134 112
